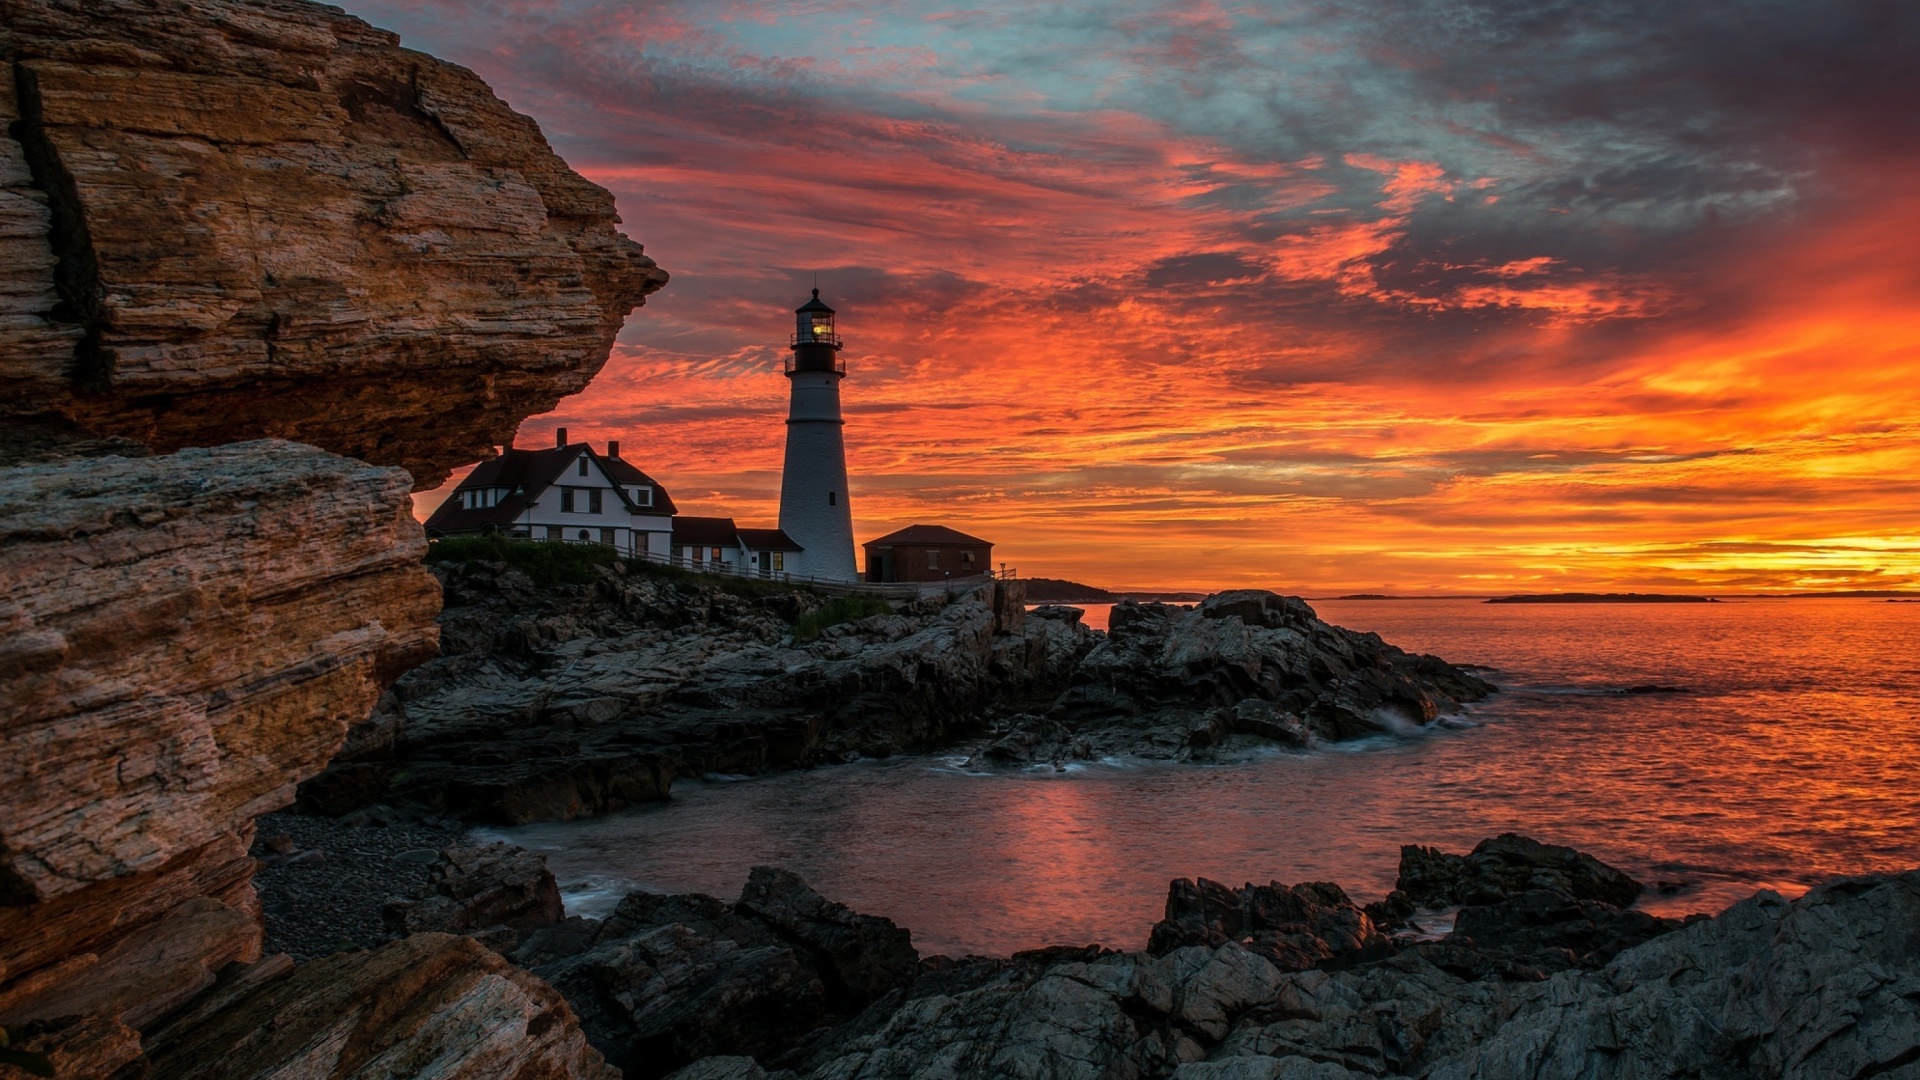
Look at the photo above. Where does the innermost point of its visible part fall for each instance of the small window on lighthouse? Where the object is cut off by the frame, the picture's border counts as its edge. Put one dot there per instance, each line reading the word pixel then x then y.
pixel 832 497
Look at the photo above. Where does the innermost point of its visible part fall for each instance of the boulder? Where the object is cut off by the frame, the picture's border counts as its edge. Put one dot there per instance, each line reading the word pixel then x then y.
pixel 1505 866
pixel 668 980
pixel 497 892
pixel 1293 927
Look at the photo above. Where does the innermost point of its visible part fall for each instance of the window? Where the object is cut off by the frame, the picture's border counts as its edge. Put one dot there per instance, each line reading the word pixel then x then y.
pixel 566 500
pixel 699 554
pixel 779 562
pixel 643 496
pixel 585 535
pixel 833 498
pixel 933 560
pixel 593 500
pixel 606 537
pixel 553 532
pixel 715 555
pixel 966 558
pixel 583 465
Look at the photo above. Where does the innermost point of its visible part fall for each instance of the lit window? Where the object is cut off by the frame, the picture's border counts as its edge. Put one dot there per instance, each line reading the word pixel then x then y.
pixel 716 555
pixel 779 561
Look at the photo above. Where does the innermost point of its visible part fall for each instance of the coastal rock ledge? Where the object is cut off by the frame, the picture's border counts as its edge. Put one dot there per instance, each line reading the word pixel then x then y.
pixel 1269 983
pixel 554 699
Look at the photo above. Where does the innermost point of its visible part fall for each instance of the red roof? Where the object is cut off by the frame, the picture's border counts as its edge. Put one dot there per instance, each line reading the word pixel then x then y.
pixel 704 532
pixel 767 540
pixel 938 535
pixel 527 473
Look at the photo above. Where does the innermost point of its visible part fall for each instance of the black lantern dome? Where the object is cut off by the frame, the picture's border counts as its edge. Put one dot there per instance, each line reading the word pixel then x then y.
pixel 815 343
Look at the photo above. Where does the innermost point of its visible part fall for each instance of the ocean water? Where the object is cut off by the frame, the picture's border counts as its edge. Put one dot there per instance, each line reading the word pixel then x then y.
pixel 1786 753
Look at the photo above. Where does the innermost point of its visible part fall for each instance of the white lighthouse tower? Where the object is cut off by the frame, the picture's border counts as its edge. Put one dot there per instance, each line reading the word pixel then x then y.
pixel 813 488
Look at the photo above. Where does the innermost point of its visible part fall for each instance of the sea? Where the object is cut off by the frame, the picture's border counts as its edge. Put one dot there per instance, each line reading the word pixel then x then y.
pixel 1711 750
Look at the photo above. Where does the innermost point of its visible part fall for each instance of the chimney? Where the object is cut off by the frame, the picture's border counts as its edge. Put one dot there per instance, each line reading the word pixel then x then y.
pixel 559 437
pixel 613 448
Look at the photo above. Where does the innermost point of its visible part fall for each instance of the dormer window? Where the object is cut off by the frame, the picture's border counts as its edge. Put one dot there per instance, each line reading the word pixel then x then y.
pixel 641 496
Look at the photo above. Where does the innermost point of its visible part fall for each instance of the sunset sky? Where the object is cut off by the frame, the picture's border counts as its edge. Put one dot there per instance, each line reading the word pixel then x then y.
pixel 1403 295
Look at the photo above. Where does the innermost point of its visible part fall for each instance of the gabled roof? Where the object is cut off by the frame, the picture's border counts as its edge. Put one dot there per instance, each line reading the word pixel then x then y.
pixel 928 534
pixel 527 473
pixel 767 540
pixel 704 532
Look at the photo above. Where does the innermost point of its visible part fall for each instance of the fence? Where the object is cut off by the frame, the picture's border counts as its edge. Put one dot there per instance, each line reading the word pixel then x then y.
pixel 890 590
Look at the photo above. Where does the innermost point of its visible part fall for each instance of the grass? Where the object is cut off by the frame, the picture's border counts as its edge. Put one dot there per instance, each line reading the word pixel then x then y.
pixel 549 562
pixel 839 610
pixel 544 561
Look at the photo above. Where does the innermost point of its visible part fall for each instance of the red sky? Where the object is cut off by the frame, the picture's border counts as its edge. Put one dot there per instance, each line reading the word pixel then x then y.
pixel 1320 296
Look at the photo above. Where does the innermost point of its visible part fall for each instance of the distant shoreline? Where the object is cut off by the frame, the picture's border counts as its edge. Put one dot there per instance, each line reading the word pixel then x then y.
pixel 1601 598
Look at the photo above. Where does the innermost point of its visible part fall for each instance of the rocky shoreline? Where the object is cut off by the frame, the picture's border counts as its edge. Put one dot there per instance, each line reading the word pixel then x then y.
pixel 1548 971
pixel 553 699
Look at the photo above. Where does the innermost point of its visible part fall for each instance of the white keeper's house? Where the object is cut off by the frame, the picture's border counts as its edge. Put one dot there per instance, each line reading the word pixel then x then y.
pixel 569 492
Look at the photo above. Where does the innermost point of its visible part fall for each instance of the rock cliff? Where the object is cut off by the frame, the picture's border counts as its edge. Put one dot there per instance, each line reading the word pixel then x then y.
pixel 225 220
pixel 225 224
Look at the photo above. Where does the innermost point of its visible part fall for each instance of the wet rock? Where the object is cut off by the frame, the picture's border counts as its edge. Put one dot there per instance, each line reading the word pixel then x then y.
pixel 671 979
pixel 861 956
pixel 1505 866
pixel 1550 930
pixel 1293 927
pixel 1184 682
pixel 498 891
pixel 1817 988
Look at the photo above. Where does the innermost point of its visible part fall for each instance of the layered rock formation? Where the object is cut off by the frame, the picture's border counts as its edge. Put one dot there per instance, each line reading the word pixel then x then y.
pixel 224 223
pixel 186 637
pixel 1818 987
pixel 226 220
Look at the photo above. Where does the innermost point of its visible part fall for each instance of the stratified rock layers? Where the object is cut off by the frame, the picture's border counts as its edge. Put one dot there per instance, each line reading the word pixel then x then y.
pixel 222 221
pixel 186 638
pixel 225 223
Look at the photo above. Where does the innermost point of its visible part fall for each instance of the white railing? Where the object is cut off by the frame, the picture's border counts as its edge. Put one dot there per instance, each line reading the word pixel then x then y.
pixel 891 590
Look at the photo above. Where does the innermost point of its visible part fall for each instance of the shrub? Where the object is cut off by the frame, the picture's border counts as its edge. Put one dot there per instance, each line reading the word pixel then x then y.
pixel 548 562
pixel 840 609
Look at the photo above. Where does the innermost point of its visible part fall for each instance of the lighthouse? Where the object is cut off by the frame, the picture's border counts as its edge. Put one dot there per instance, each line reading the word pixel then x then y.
pixel 814 511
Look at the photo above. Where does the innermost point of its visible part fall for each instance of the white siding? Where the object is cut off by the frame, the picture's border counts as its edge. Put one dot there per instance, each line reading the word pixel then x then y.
pixel 814 508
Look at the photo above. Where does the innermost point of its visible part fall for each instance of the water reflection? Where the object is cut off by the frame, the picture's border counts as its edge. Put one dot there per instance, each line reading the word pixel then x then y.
pixel 1787 759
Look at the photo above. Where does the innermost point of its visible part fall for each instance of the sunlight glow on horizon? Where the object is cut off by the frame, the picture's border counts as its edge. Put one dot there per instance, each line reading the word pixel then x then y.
pixel 1147 334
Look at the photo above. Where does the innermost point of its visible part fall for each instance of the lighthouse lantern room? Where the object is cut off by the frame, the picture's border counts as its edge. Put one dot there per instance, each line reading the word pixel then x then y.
pixel 814 510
